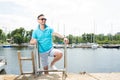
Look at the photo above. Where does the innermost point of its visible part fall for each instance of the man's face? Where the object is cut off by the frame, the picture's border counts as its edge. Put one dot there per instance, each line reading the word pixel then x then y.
pixel 42 20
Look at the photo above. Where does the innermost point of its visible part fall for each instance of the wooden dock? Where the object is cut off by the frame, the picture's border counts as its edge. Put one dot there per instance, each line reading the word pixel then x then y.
pixel 71 76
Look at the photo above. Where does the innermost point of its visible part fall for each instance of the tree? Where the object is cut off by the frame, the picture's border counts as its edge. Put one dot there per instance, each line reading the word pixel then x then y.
pixel 84 38
pixel 18 35
pixel 28 36
pixel 70 37
pixel 57 40
pixel 18 39
pixel 2 36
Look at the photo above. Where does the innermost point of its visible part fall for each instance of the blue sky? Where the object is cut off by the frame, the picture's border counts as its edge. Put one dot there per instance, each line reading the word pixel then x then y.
pixel 65 16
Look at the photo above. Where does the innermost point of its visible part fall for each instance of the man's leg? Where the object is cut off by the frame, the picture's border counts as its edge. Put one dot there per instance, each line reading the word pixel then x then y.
pixel 57 56
pixel 44 60
pixel 46 68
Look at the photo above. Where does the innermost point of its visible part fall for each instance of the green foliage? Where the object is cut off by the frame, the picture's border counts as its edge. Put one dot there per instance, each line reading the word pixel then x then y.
pixel 18 38
pixel 70 37
pixel 57 40
pixel 20 35
pixel 1 32
pixel 2 36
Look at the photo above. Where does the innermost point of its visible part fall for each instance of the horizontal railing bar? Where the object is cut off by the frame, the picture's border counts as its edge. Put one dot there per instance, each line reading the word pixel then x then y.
pixel 27 73
pixel 25 58
pixel 59 70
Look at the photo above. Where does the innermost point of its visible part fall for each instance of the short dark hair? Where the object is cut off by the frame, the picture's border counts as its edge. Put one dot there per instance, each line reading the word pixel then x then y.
pixel 40 16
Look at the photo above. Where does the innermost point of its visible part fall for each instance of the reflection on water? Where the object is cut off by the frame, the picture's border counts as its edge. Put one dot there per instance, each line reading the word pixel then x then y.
pixel 78 60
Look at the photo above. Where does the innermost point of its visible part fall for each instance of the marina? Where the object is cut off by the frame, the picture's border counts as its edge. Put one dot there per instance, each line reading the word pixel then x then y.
pixel 81 45
pixel 83 59
pixel 87 64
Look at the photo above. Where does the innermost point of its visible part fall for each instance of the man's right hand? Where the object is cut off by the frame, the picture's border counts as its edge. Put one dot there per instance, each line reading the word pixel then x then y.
pixel 33 41
pixel 66 40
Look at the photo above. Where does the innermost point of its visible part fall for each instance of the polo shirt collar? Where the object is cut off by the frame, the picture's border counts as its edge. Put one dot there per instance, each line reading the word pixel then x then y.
pixel 45 27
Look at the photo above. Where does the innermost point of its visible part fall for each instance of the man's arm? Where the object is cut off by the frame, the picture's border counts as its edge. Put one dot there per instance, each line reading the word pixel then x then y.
pixel 58 35
pixel 61 36
pixel 33 41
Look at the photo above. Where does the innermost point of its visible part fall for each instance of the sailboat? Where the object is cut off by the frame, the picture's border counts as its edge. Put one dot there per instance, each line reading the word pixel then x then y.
pixel 111 45
pixel 93 44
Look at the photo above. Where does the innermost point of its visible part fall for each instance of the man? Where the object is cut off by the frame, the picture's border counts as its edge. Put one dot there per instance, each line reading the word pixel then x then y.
pixel 43 37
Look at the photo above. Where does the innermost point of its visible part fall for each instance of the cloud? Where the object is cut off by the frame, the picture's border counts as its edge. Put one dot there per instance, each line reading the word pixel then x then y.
pixel 12 22
pixel 74 14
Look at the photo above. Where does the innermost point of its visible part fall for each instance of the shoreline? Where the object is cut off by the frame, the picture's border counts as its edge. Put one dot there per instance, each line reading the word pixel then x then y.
pixel 82 45
pixel 58 76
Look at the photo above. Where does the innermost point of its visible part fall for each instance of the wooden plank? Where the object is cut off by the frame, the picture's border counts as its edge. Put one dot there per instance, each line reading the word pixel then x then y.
pixel 28 72
pixel 59 70
pixel 25 58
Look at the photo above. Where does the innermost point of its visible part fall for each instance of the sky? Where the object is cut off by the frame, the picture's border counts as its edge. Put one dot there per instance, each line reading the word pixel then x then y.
pixel 74 17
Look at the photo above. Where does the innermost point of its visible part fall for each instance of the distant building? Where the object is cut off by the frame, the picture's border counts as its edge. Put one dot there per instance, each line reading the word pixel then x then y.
pixel 10 40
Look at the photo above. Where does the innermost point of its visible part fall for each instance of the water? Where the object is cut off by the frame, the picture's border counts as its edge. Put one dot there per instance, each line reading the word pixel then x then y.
pixel 78 60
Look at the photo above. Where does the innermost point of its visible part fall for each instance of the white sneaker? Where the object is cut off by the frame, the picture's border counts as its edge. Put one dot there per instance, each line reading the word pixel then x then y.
pixel 53 68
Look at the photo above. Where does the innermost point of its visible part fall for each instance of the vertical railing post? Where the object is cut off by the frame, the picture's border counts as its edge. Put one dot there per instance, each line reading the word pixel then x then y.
pixel 65 62
pixel 65 51
pixel 33 62
pixel 20 63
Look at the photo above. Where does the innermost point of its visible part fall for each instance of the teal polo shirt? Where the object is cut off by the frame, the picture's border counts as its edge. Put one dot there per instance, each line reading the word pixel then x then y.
pixel 44 38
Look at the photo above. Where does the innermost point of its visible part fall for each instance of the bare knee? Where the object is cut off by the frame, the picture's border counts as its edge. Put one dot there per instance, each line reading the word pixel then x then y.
pixel 58 55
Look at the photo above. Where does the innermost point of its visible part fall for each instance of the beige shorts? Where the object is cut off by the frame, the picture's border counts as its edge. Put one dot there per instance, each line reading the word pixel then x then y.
pixel 44 56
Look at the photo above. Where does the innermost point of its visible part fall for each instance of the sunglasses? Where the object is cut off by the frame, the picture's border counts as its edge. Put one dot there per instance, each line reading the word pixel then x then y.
pixel 42 19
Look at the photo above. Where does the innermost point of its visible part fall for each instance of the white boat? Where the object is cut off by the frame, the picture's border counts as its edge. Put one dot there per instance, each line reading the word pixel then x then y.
pixel 2 63
pixel 2 66
pixel 94 46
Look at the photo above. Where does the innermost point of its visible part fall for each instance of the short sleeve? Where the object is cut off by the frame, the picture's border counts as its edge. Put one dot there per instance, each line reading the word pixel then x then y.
pixel 52 30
